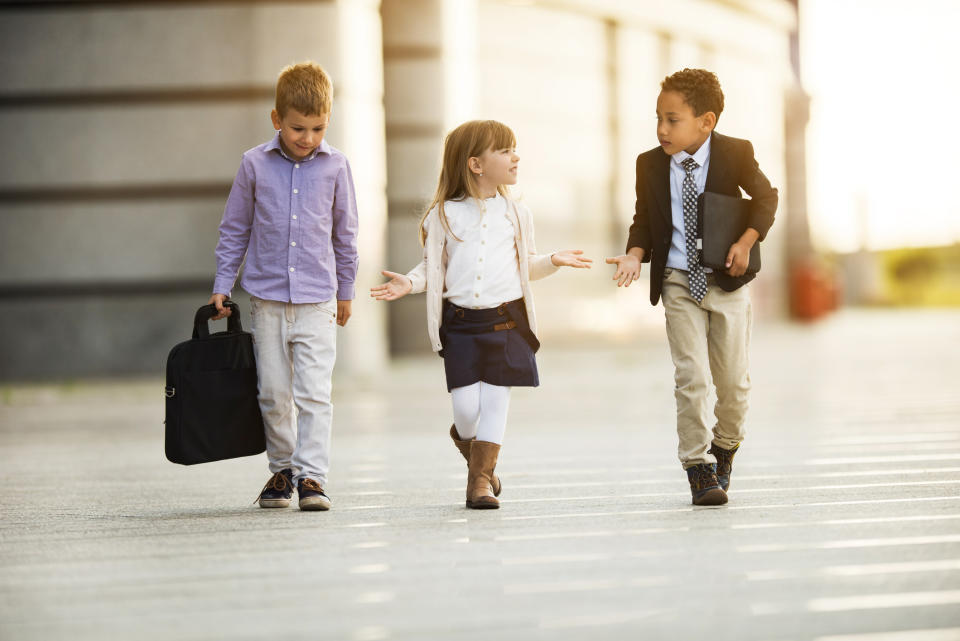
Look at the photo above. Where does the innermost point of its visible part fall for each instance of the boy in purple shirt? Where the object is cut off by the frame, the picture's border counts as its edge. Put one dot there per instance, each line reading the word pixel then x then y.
pixel 292 213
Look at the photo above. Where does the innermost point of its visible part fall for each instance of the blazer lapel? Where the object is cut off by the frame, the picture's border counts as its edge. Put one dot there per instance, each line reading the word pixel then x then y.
pixel 660 178
pixel 717 175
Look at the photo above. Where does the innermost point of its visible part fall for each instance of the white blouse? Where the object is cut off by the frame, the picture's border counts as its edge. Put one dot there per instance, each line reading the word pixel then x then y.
pixel 482 266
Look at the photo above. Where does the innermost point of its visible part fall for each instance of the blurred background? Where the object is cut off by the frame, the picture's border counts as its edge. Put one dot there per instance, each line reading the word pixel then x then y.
pixel 125 121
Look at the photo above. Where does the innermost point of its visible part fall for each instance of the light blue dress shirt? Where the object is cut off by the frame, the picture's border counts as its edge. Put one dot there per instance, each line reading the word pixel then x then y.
pixel 677 257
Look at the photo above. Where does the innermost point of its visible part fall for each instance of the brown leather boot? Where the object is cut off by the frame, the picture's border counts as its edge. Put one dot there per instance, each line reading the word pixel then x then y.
pixel 724 464
pixel 464 447
pixel 704 486
pixel 483 458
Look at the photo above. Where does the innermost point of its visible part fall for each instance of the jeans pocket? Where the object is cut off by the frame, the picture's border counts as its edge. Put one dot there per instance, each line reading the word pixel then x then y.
pixel 327 307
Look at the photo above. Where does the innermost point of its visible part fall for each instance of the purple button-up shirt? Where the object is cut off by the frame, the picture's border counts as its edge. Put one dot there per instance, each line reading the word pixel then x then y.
pixel 296 221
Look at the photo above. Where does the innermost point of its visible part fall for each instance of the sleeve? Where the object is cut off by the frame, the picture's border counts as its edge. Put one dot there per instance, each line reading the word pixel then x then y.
pixel 344 232
pixel 235 227
pixel 639 233
pixel 764 197
pixel 418 275
pixel 539 265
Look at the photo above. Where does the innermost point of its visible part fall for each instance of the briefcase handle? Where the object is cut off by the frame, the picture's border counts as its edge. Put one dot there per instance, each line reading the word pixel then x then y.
pixel 205 313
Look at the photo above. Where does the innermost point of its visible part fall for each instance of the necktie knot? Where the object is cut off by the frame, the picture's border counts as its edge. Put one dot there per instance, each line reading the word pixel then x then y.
pixel 689 164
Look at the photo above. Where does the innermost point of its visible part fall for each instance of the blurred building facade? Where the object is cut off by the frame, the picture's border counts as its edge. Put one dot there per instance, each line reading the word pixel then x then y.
pixel 125 122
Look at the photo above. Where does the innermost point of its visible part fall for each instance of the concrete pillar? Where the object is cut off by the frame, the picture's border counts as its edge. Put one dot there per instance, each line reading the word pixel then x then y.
pixel 128 120
pixel 429 60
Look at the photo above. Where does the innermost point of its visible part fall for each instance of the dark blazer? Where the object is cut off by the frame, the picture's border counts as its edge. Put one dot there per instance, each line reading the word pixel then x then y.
pixel 732 166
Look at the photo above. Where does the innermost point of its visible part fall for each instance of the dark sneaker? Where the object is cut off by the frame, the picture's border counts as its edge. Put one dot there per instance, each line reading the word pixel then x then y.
pixel 278 492
pixel 724 464
pixel 312 496
pixel 704 485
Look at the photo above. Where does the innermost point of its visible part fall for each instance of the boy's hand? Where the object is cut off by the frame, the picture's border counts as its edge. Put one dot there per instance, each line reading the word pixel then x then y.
pixel 344 308
pixel 397 287
pixel 222 312
pixel 628 267
pixel 738 258
pixel 570 258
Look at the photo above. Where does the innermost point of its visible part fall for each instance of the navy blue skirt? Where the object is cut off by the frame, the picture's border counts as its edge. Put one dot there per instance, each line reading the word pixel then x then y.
pixel 494 345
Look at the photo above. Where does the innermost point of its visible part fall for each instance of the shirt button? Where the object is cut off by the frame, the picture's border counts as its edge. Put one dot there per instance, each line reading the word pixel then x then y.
pixel 483 242
pixel 294 217
pixel 296 191
pixel 484 225
pixel 476 295
pixel 481 259
pixel 479 277
pixel 292 269
pixel 293 244
pixel 296 166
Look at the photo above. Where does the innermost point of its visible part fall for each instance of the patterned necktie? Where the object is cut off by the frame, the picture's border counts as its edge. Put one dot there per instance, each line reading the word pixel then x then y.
pixel 698 280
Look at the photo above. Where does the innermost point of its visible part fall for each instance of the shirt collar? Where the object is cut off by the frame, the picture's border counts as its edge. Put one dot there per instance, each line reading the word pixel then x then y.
pixel 274 144
pixel 700 157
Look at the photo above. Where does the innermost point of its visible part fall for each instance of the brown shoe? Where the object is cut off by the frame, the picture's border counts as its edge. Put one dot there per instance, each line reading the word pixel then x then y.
pixel 483 458
pixel 704 486
pixel 464 447
pixel 724 464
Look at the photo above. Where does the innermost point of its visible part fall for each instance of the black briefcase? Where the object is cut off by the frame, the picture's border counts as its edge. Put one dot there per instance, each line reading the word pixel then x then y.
pixel 212 411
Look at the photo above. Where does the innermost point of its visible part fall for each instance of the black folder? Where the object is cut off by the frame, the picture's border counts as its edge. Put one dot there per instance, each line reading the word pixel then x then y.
pixel 722 221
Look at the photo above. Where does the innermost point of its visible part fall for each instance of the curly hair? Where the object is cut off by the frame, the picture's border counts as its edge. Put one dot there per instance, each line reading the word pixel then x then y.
pixel 700 89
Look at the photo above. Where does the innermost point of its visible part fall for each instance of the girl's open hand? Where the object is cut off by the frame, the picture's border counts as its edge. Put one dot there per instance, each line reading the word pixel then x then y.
pixel 570 258
pixel 397 287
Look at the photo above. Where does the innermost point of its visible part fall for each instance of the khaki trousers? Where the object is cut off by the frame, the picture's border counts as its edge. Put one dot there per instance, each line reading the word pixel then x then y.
pixel 708 340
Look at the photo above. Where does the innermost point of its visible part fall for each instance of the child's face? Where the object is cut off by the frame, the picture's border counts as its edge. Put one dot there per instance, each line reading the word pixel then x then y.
pixel 299 134
pixel 678 128
pixel 499 166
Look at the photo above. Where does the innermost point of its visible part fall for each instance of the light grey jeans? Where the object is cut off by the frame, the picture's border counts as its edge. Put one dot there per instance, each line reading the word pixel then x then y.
pixel 296 347
pixel 709 340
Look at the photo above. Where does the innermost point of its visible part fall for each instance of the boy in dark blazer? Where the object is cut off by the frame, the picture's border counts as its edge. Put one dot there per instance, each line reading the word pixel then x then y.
pixel 708 313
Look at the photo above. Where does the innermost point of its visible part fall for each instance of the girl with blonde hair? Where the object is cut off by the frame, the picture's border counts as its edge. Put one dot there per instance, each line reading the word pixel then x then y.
pixel 479 257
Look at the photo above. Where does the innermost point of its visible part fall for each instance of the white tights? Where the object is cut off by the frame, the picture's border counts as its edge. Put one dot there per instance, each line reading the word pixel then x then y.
pixel 481 410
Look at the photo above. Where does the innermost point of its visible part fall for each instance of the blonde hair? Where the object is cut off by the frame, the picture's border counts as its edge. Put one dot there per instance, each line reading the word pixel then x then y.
pixel 456 180
pixel 305 87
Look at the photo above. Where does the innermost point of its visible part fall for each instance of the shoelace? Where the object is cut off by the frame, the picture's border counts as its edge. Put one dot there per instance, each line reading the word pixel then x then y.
pixel 310 484
pixel 278 482
pixel 723 463
pixel 703 476
pixel 724 460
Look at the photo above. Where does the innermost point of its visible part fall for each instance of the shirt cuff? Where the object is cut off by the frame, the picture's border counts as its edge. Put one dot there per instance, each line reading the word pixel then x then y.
pixel 221 286
pixel 345 291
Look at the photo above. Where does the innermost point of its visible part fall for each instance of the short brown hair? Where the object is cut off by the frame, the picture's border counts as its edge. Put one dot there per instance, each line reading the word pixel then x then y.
pixel 305 87
pixel 700 89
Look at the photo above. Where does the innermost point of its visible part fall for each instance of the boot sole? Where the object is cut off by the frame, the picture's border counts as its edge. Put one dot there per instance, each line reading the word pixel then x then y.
pixel 715 496
pixel 483 505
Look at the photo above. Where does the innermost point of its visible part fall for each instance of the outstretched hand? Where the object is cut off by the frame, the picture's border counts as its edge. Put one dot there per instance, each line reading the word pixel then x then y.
pixel 628 269
pixel 571 258
pixel 397 287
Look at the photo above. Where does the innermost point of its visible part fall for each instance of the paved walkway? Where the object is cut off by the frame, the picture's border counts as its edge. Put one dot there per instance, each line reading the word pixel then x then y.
pixel 844 521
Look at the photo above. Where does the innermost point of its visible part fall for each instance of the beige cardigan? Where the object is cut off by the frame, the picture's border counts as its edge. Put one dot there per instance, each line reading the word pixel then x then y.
pixel 430 274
